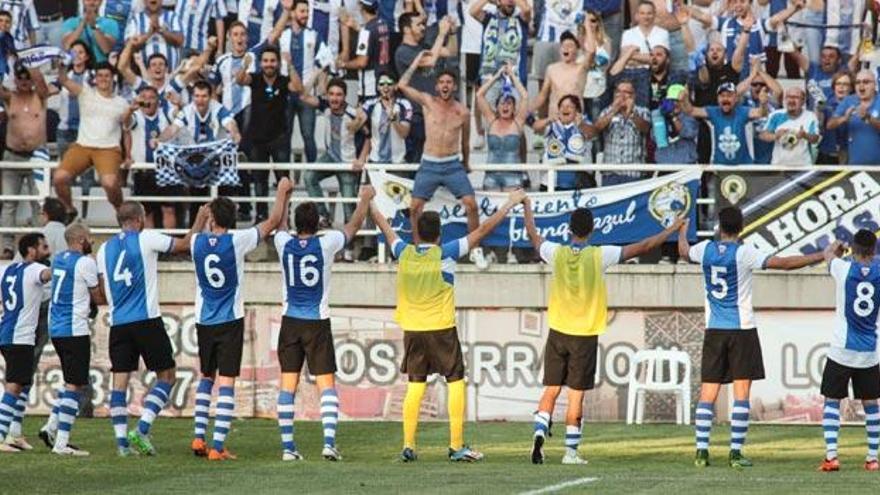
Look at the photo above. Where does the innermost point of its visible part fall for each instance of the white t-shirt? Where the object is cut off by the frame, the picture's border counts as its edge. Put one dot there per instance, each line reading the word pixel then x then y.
pixel 792 150
pixel 634 37
pixel 100 122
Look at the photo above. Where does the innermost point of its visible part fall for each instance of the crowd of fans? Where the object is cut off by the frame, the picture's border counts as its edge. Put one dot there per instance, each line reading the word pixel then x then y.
pixel 684 83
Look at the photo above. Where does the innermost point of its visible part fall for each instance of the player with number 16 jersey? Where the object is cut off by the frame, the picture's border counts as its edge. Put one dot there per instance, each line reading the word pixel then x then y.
pixel 218 256
pixel 305 334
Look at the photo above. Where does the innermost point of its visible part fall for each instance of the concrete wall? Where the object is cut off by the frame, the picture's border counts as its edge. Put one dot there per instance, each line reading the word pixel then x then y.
pixel 522 286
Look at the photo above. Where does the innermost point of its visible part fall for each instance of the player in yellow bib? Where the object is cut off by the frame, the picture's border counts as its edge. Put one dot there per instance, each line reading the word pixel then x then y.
pixel 577 312
pixel 426 313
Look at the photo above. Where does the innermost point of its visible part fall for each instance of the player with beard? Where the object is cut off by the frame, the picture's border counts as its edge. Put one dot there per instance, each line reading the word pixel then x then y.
pixel 445 159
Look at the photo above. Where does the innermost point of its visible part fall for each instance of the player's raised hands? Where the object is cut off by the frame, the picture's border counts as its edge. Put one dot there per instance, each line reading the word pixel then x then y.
pixel 366 193
pixel 285 185
pixel 516 196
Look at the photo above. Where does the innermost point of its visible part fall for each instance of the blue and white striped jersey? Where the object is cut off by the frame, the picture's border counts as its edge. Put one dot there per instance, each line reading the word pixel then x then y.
pixel 728 267
pixel 207 127
pixel 324 18
pixel 128 262
pixel 145 128
pixel 559 17
pixel 68 107
pixel 219 262
pixel 301 46
pixel 235 97
pixel 73 274
pixel 24 20
pixel 22 291
pixel 386 144
pixel 854 341
pixel 305 264
pixel 195 17
pixel 260 17
pixel 140 24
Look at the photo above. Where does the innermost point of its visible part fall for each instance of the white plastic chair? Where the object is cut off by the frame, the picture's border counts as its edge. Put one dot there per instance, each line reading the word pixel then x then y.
pixel 658 370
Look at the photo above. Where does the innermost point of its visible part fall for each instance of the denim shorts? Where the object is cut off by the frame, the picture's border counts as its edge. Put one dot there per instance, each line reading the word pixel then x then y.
pixel 500 181
pixel 447 172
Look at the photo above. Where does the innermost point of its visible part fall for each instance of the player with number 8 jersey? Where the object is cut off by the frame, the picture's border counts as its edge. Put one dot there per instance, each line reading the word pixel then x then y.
pixel 731 349
pixel 305 334
pixel 128 269
pixel 218 255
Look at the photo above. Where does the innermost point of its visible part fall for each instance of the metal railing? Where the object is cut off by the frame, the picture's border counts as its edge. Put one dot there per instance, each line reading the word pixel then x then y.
pixel 44 186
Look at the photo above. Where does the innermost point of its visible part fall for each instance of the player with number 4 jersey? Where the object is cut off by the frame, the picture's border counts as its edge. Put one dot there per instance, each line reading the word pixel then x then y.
pixel 852 355
pixel 218 256
pixel 305 334
pixel 731 349
pixel 127 266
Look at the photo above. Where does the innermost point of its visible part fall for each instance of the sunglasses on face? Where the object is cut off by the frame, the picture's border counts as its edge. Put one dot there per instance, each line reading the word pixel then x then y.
pixel 386 83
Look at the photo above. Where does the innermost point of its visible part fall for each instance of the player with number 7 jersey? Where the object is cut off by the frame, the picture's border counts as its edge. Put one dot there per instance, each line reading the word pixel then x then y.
pixel 218 255
pixel 305 335
pixel 128 269
pixel 731 349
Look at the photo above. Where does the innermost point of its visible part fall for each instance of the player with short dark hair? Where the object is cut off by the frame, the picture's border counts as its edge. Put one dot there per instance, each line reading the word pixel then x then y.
pixel 577 312
pixel 731 348
pixel 74 287
pixel 852 355
pixel 21 290
pixel 218 256
pixel 305 334
pixel 426 313
pixel 128 270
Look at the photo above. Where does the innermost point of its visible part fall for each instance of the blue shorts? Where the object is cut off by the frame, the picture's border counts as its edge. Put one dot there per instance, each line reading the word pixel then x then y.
pixel 447 172
pixel 502 181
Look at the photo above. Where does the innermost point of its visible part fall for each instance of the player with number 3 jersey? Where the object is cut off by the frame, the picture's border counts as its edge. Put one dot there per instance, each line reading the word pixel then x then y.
pixel 128 267
pixel 731 349
pixel 852 355
pixel 218 255
pixel 305 334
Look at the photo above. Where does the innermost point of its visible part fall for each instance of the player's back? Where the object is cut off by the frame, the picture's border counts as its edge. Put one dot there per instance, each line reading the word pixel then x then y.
pixel 219 265
pixel 129 263
pixel 305 264
pixel 854 342
pixel 426 284
pixel 727 269
pixel 21 292
pixel 73 274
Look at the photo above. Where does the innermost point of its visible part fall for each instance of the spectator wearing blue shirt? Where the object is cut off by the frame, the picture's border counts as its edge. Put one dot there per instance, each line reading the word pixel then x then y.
pixel 832 147
pixel 728 121
pixel 819 75
pixel 98 33
pixel 7 44
pixel 860 115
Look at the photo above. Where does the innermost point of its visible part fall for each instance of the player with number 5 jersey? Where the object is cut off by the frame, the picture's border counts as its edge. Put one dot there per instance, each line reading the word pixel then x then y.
pixel 305 335
pixel 218 255
pixel 852 355
pixel 731 349
pixel 127 266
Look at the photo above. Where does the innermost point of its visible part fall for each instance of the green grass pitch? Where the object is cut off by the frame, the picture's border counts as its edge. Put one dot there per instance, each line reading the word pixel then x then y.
pixel 623 459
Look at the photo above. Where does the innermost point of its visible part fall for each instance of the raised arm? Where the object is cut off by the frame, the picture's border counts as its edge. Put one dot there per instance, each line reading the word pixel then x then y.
pixel 514 198
pixel 476 10
pixel 689 109
pixel 243 78
pixel 794 262
pixel 408 91
pixel 647 245
pixel 365 195
pixel 700 16
pixel 192 72
pixel 72 86
pixel 379 219
pixel 529 221
pixel 783 15
pixel 684 247
pixel 124 62
pixel 483 105
pixel 282 197
pixel 181 244
pixel 833 250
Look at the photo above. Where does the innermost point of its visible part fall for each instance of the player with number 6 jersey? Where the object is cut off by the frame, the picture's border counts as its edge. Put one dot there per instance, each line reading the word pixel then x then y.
pixel 731 348
pixel 127 267
pixel 305 334
pixel 852 355
pixel 218 256
pixel 21 291
pixel 74 286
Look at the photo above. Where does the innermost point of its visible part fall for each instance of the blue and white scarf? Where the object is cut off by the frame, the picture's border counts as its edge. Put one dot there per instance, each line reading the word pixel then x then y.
pixel 41 55
pixel 197 165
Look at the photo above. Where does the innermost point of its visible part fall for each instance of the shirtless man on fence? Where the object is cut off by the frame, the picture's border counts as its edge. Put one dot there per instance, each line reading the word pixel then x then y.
pixel 447 150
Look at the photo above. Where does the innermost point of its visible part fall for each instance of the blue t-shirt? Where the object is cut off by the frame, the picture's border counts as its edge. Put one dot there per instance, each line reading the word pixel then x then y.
pixel 833 140
pixel 106 25
pixel 864 139
pixel 729 141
